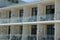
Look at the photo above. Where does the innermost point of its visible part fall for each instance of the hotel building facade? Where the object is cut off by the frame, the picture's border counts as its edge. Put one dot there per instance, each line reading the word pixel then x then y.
pixel 30 21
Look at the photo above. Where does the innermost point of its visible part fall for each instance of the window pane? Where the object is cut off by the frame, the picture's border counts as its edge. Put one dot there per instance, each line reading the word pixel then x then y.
pixel 50 29
pixel 34 11
pixel 34 29
pixel 9 14
pixel 21 12
pixel 21 28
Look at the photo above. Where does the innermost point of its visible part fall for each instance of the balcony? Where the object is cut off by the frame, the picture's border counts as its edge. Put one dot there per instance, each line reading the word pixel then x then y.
pixel 16 37
pixel 47 17
pixel 58 16
pixel 32 37
pixel 30 19
pixel 46 37
pixel 16 20
pixel 26 37
pixel 4 37
pixel 11 37
pixel 5 20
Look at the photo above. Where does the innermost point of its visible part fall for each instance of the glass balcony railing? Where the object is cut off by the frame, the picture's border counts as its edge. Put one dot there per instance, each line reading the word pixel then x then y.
pixel 47 17
pixel 16 20
pixel 32 37
pixel 11 37
pixel 30 19
pixel 46 37
pixel 6 20
pixel 4 37
pixel 58 16
pixel 16 37
pixel 26 37
pixel 29 37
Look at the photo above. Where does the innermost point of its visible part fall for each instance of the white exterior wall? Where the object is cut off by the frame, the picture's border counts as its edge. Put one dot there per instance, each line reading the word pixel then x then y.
pixel 41 29
pixel 57 31
pixel 15 29
pixel 41 26
pixel 27 11
pixel 4 14
pixel 41 10
pixel 14 13
pixel 3 30
pixel 26 31
pixel 57 11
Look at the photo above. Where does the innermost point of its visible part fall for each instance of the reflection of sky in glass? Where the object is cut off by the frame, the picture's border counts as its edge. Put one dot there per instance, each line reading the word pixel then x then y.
pixel 28 0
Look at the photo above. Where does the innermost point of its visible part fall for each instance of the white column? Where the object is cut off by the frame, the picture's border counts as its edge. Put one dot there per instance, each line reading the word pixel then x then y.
pixel 41 32
pixel 15 29
pixel 41 10
pixel 57 9
pixel 1 15
pixel 14 13
pixel 26 12
pixel 57 31
pixel 26 31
